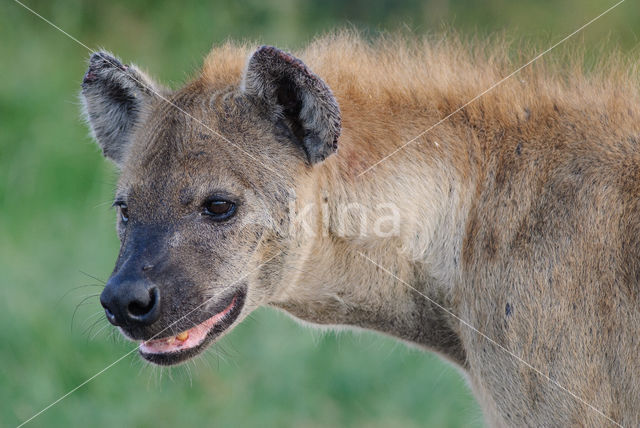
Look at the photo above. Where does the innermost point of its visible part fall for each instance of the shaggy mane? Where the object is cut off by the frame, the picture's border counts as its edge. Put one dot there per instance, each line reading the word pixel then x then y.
pixel 447 71
pixel 393 88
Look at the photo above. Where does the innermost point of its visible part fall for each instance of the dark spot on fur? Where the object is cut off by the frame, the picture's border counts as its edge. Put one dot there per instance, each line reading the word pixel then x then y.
pixel 519 149
pixel 508 309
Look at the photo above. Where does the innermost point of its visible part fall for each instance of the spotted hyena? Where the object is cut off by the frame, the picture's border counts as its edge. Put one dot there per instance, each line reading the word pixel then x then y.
pixel 511 245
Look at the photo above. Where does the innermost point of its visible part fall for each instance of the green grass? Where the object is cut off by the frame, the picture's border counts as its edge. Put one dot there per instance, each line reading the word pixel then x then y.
pixel 55 224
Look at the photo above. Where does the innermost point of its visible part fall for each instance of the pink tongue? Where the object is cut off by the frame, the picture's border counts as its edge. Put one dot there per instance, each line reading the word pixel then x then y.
pixel 196 336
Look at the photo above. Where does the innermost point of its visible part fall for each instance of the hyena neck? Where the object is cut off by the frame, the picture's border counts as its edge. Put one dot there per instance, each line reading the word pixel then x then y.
pixel 377 258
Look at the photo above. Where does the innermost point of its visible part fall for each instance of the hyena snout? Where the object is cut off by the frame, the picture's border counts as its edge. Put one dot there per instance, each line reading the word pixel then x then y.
pixel 131 302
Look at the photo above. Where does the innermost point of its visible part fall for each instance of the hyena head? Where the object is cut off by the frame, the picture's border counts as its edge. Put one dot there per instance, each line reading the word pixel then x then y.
pixel 202 201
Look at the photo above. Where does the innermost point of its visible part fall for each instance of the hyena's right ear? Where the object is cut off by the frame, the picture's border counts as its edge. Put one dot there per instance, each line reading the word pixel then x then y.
pixel 114 96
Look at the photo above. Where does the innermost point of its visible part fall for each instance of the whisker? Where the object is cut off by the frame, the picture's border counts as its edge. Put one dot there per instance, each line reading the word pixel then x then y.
pixel 82 302
pixel 204 357
pixel 188 371
pixel 98 332
pixel 114 337
pixel 94 315
pixel 74 289
pixel 87 331
pixel 91 317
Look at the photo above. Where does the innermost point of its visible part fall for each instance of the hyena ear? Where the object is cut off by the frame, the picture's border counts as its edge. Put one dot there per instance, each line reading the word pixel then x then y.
pixel 114 96
pixel 298 96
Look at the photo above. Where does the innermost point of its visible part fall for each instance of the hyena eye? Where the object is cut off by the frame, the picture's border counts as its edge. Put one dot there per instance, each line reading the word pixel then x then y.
pixel 219 209
pixel 123 211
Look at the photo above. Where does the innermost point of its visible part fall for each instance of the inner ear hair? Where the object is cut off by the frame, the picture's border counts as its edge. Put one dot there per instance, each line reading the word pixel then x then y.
pixel 114 96
pixel 291 106
pixel 294 93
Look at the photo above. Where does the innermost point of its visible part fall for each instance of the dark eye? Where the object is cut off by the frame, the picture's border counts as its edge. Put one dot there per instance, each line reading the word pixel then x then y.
pixel 124 211
pixel 219 209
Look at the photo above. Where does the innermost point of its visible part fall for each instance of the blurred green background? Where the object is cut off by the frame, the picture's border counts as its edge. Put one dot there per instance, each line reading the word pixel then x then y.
pixel 56 227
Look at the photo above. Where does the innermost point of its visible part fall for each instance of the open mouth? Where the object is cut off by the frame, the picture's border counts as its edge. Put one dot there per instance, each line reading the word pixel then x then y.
pixel 189 343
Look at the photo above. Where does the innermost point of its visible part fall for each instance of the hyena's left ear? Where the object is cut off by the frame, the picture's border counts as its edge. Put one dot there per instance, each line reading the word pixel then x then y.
pixel 114 96
pixel 297 95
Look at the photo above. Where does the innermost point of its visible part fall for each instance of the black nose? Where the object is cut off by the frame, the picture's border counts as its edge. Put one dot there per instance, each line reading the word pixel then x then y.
pixel 131 303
